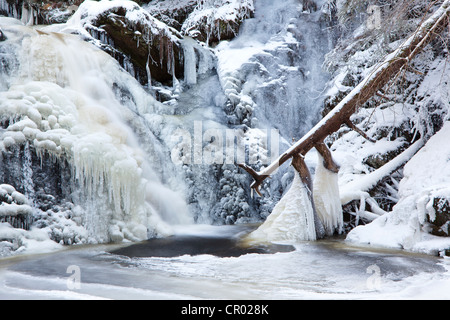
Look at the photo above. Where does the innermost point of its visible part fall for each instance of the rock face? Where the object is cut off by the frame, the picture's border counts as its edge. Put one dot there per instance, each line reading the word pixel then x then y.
pixel 153 50
pixel 206 21
pixel 39 12
pixel 172 13
pixel 144 46
pixel 147 40
pixel 211 22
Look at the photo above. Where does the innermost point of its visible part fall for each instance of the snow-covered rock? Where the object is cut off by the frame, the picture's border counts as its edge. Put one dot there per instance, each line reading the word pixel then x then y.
pixel 426 178
pixel 14 207
pixel 212 21
pixel 144 46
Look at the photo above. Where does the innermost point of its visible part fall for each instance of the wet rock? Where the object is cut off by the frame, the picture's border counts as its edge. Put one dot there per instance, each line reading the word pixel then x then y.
pixel 40 12
pixel 441 224
pixel 138 44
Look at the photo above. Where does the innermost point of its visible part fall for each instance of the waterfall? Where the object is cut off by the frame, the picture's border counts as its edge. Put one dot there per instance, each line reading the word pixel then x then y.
pixel 272 74
pixel 278 55
pixel 63 103
pixel 70 105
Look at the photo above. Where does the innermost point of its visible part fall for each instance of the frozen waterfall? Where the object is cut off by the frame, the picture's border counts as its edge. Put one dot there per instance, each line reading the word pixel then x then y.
pixel 62 99
pixel 99 148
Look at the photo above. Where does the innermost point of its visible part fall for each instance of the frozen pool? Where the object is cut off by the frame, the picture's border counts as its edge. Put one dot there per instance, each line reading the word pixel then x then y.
pixel 195 264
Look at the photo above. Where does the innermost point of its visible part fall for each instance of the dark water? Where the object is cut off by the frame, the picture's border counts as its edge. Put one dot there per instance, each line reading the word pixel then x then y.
pixel 220 245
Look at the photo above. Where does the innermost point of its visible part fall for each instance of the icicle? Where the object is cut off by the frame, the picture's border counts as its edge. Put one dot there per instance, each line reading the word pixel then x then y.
pixel 149 74
pixel 190 63
pixel 326 198
pixel 28 183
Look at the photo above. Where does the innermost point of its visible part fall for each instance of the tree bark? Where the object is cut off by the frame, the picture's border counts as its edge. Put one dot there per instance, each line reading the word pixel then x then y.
pixel 378 78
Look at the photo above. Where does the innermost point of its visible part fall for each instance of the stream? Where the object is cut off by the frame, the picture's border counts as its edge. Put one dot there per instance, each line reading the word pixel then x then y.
pixel 208 262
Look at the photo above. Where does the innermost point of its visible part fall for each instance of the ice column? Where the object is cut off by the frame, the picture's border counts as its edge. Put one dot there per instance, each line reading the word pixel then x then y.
pixel 326 198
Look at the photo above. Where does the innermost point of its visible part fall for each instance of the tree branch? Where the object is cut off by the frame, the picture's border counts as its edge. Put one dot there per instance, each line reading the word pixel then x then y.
pixel 379 77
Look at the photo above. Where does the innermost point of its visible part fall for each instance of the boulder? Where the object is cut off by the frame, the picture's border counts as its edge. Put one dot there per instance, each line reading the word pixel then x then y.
pixel 440 226
pixel 211 23
pixel 143 45
pixel 40 12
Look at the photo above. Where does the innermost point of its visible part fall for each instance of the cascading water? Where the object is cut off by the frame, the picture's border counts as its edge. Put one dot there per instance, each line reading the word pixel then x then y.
pixel 272 73
pixel 87 155
pixel 77 109
pixel 279 55
pixel 59 103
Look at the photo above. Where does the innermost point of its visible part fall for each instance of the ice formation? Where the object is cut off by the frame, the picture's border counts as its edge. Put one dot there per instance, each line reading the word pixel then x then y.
pixel 14 207
pixel 62 103
pixel 217 17
pixel 291 220
pixel 326 199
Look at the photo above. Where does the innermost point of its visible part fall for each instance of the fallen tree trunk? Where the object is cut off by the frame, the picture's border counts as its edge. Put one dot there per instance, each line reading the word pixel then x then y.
pixel 379 77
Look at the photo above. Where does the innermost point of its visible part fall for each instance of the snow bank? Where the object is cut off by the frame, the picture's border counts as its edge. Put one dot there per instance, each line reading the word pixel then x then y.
pixel 12 203
pixel 20 241
pixel 426 177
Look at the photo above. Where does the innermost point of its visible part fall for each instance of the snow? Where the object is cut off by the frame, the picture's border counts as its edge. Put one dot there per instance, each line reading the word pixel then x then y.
pixel 89 10
pixel 426 177
pixel 212 13
pixel 61 104
pixel 21 241
pixel 369 75
pixel 13 202
pixel 363 183
pixel 315 270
